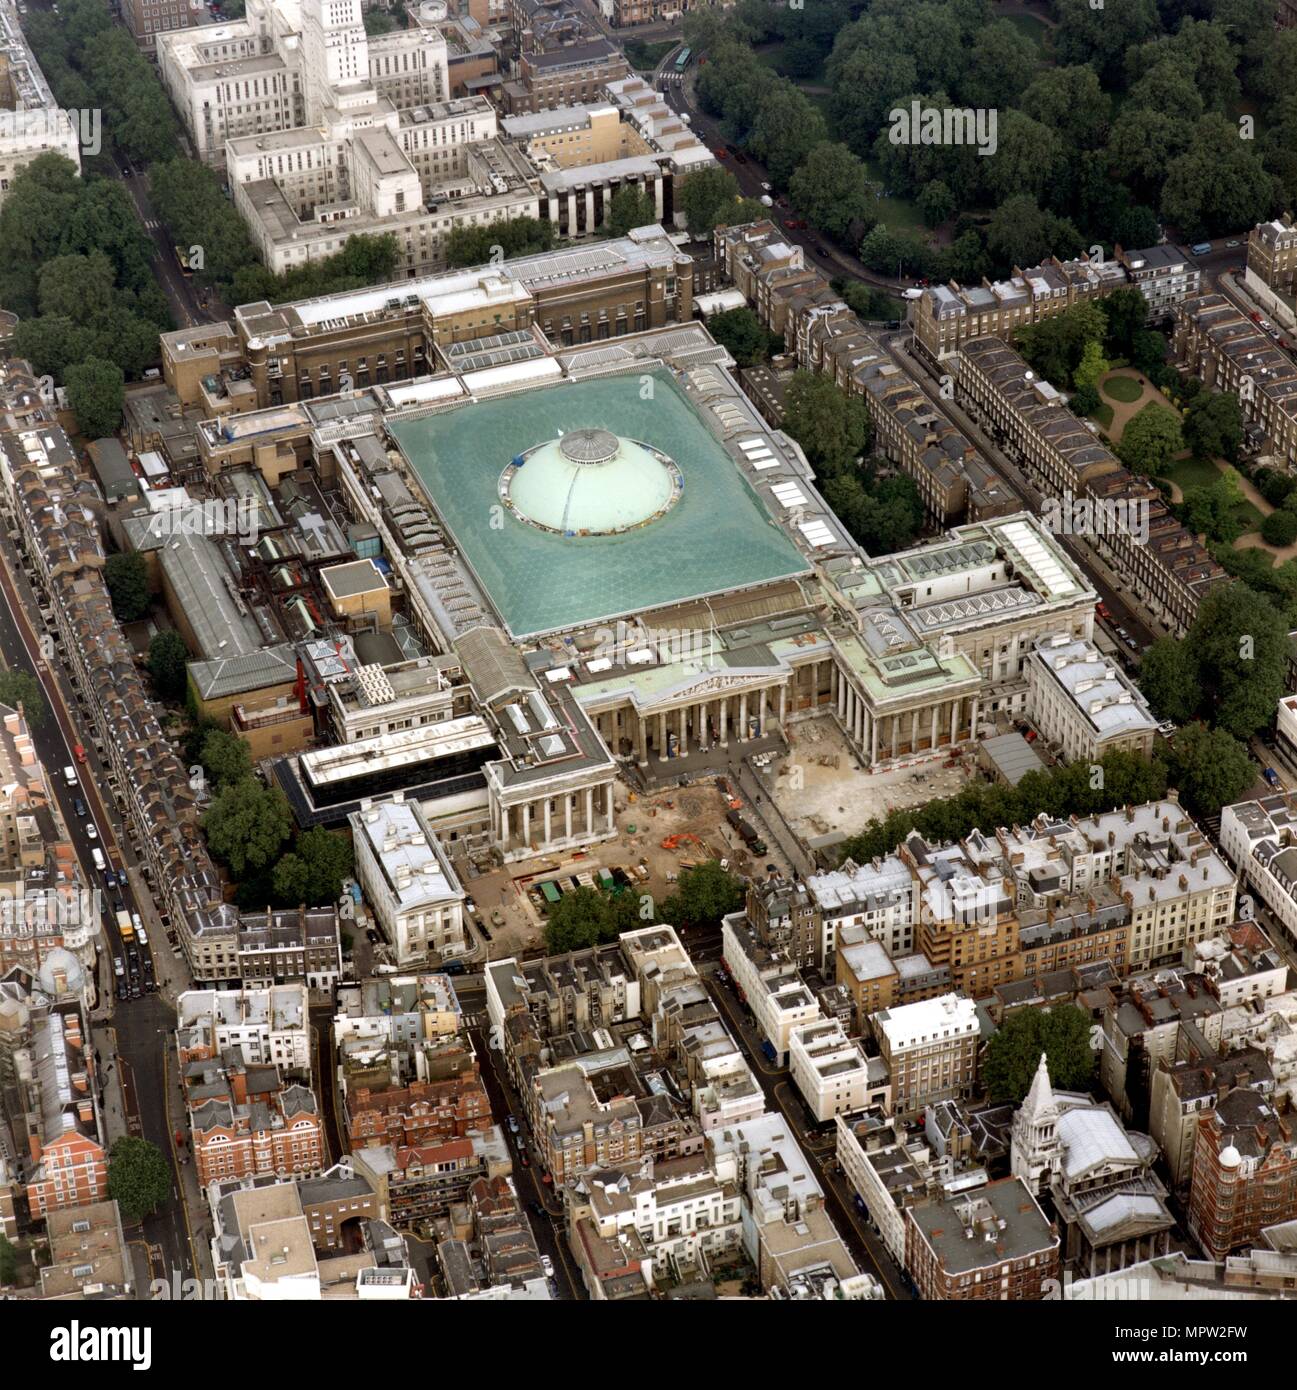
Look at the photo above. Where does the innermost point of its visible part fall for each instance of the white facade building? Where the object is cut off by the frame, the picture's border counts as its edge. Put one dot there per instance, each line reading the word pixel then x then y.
pixel 881 897
pixel 775 992
pixel 1083 703
pixel 930 1049
pixel 32 122
pixel 270 1025
pixel 408 881
pixel 828 1068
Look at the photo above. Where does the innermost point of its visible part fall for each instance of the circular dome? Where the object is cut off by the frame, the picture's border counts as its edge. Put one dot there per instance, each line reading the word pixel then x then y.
pixel 590 483
pixel 1230 1157
pixel 61 972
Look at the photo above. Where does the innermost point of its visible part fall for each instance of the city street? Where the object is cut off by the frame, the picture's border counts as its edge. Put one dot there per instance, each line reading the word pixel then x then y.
pixel 133 1039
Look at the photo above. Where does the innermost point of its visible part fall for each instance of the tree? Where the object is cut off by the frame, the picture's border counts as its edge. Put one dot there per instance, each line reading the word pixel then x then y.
pixel 1061 1034
pixel 743 334
pixel 1218 184
pixel 139 1177
pixel 630 207
pixel 703 196
pixel 1168 677
pixel 1280 528
pixel 1239 643
pixel 8 1262
pixel 96 394
pixel 1213 426
pixel 127 578
pixel 169 664
pixel 1125 313
pixel 225 758
pixel 1147 350
pixel 498 241
pixel 895 253
pixel 1071 102
pixel 1210 767
pixel 247 825
pixel 326 859
pixel 22 688
pixel 833 428
pixel 1091 367
pixel 936 203
pixel 1022 234
pixel 1085 400
pixel 586 917
pixel 831 189
pixel 705 895
pixel 1151 439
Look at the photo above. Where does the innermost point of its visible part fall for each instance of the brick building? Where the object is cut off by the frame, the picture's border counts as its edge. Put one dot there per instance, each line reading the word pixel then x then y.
pixel 1244 1172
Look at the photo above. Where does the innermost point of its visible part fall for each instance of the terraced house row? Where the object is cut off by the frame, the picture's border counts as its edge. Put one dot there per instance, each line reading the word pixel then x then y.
pixel 1217 342
pixel 793 299
pixel 1167 569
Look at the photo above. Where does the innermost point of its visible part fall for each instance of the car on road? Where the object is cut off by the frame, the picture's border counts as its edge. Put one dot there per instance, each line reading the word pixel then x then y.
pixel 512 1122
pixel 535 1208
pixel 92 831
pixel 80 807
pixel 1232 245
pixel 547 1265
pixel 523 1159
pixel 121 989
pixel 1132 644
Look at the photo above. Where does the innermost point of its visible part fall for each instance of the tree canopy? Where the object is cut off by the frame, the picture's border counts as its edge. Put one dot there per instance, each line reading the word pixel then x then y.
pixel 139 1177
pixel 1061 1034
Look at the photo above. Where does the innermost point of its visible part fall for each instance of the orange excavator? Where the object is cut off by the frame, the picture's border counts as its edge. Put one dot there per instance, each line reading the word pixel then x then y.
pixel 675 841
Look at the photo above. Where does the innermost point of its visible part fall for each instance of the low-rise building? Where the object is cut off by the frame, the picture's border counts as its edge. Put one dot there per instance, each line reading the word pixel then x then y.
pixel 830 1070
pixel 993 1244
pixel 1085 704
pixel 409 882
pixel 930 1050
pixel 270 1026
pixel 88 1254
pixel 1272 254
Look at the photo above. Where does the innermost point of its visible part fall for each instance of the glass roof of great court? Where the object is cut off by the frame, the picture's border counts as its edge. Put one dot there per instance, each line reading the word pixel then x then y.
pixel 718 537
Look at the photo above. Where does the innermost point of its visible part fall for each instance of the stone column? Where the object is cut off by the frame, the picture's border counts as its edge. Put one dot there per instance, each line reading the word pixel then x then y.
pixel 914 732
pixel 873 742
pixel 972 719
pixel 954 720
pixel 725 722
pixel 589 810
pixel 744 735
pixel 612 822
pixel 504 827
pixel 843 691
pixel 526 823
pixel 783 707
pixel 684 730
pixel 572 228
pixel 936 712
pixel 589 211
pixel 896 734
pixel 548 835
pixel 641 736
pixel 662 735
pixel 567 815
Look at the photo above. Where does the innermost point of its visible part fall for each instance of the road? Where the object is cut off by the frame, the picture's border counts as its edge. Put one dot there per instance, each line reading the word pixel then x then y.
pixel 138 1049
pixel 548 1229
pixel 184 298
pixel 819 1147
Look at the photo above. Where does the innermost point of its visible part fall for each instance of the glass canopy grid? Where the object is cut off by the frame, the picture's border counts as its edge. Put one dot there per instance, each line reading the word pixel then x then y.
pixel 717 537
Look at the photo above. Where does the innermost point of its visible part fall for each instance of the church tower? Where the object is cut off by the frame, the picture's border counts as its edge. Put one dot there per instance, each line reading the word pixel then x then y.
pixel 1033 1151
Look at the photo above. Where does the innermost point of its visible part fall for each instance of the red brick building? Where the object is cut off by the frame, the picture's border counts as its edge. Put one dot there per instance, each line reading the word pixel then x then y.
pixel 72 1171
pixel 419 1113
pixel 243 1121
pixel 994 1243
pixel 1244 1173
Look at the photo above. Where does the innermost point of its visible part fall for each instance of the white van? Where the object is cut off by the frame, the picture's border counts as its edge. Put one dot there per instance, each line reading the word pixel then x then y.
pixel 70 775
pixel 98 856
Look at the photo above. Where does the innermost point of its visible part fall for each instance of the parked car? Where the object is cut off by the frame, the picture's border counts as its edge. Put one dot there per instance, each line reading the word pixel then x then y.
pixel 92 831
pixel 80 807
pixel 547 1265
pixel 513 1124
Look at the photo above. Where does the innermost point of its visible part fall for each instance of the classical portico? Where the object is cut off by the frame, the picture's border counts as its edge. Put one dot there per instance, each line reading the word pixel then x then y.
pixel 551 814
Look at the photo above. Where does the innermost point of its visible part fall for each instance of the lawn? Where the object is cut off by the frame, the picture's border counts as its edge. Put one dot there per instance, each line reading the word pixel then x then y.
pixel 644 57
pixel 897 213
pixel 1035 29
pixel 1249 515
pixel 1125 389
pixel 1193 472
